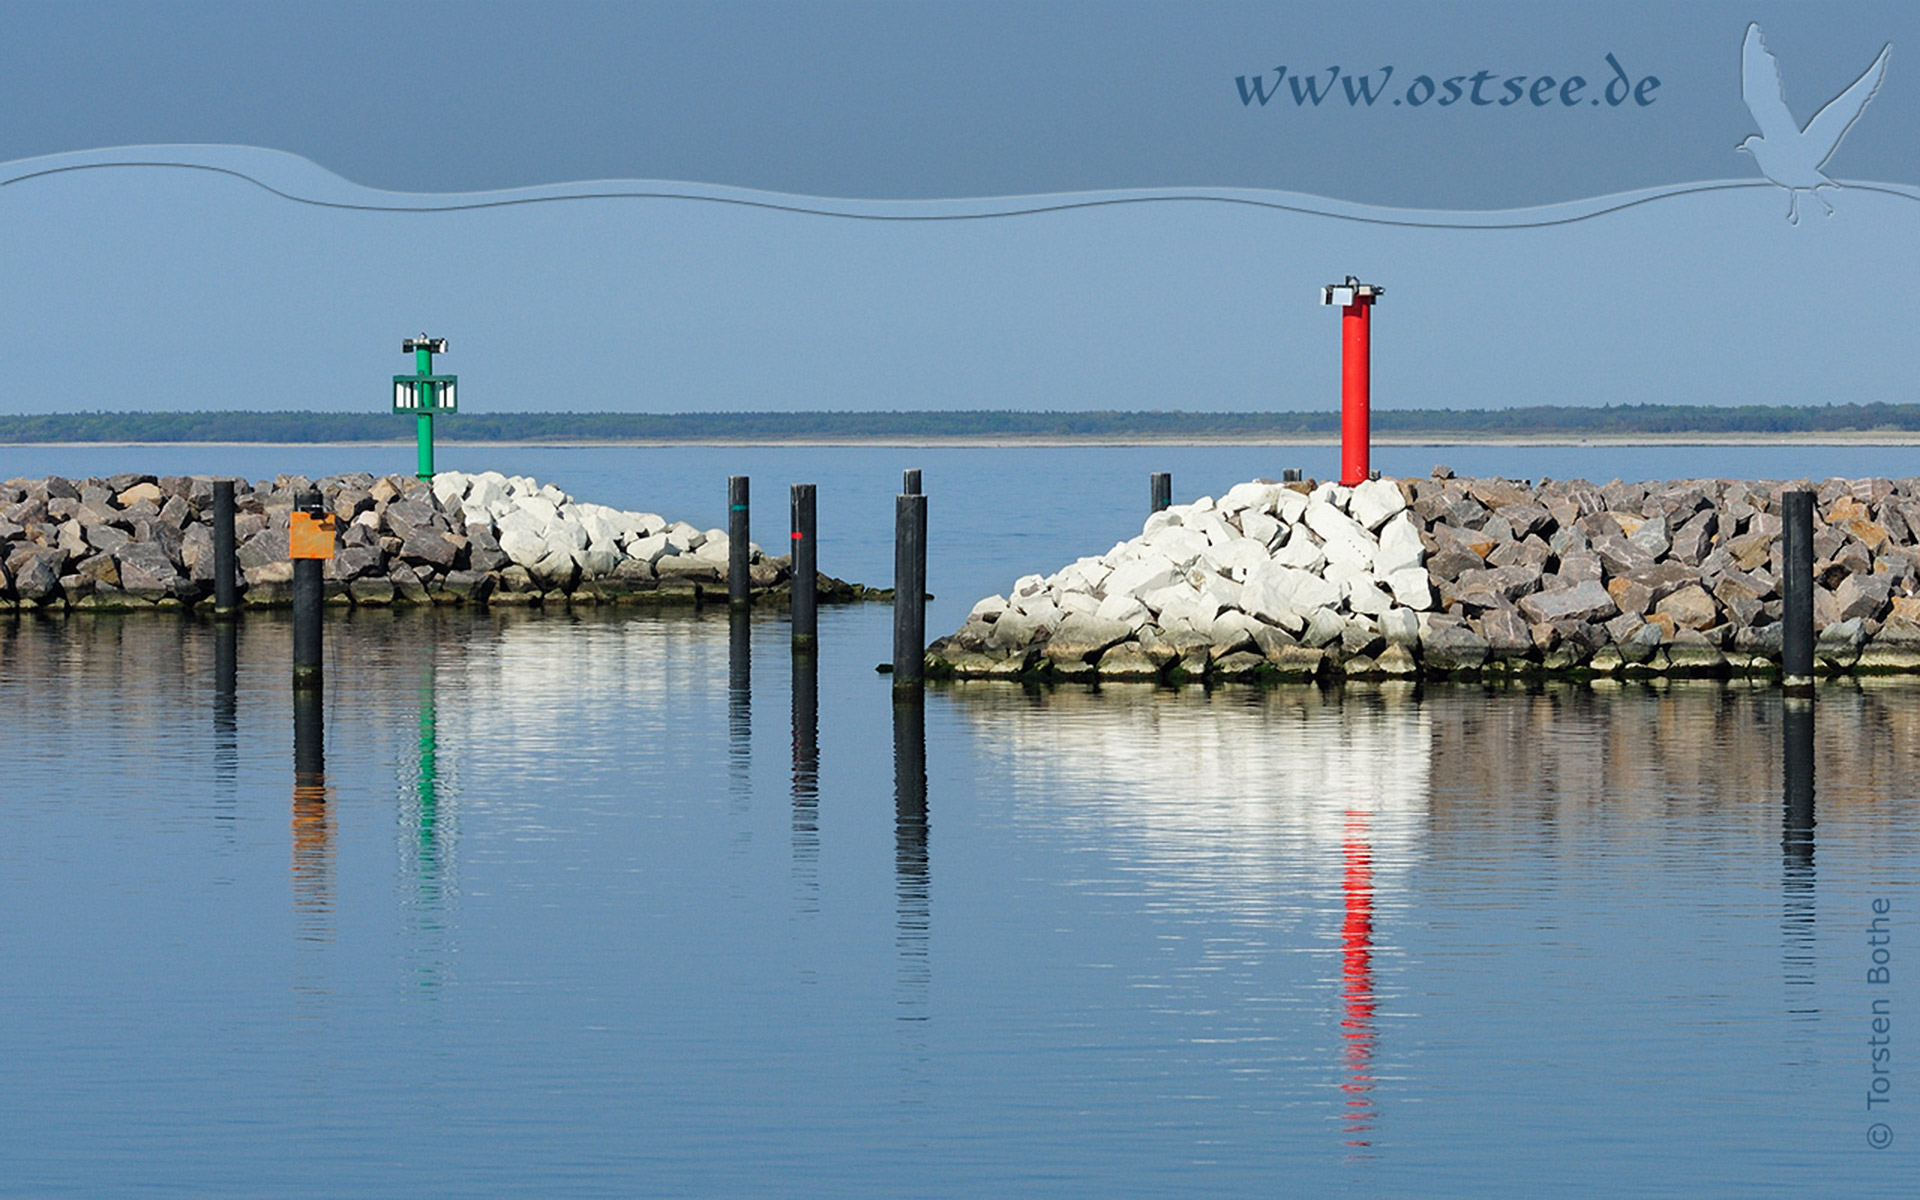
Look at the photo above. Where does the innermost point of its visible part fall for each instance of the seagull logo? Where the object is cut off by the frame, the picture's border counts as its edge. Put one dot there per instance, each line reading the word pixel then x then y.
pixel 1788 154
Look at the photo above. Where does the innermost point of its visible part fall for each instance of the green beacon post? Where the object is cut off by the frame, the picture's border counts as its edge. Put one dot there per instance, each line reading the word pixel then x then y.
pixel 423 393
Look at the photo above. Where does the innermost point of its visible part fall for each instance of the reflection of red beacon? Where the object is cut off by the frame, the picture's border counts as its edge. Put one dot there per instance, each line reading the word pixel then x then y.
pixel 1355 300
pixel 1356 976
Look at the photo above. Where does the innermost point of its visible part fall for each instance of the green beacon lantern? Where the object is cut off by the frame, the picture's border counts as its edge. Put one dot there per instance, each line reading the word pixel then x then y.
pixel 423 393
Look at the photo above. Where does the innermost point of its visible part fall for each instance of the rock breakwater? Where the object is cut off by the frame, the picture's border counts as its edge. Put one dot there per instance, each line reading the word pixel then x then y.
pixel 1463 577
pixel 141 541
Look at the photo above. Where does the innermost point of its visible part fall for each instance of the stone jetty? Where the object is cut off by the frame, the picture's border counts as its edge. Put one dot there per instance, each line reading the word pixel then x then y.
pixel 140 541
pixel 1463 577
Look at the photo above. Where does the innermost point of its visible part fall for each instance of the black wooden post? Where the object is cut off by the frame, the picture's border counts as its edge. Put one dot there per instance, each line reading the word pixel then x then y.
pixel 1159 491
pixel 1796 592
pixel 909 592
pixel 739 538
pixel 309 593
pixel 226 584
pixel 806 570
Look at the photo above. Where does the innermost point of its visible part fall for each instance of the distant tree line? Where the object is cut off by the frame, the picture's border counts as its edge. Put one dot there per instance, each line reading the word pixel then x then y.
pixel 1536 420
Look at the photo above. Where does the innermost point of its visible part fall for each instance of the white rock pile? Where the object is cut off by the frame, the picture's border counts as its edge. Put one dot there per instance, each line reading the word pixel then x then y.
pixel 1263 579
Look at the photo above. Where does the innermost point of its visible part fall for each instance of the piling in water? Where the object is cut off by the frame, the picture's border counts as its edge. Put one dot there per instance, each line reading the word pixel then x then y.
pixel 806 577
pixel 1796 591
pixel 909 593
pixel 1797 819
pixel 309 744
pixel 1159 491
pixel 739 543
pixel 309 594
pixel 226 582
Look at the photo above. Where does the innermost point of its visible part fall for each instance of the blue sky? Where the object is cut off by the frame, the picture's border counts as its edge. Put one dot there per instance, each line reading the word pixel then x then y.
pixel 175 292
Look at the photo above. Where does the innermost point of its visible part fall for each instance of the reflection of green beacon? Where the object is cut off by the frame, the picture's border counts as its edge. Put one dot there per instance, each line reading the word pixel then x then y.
pixel 423 393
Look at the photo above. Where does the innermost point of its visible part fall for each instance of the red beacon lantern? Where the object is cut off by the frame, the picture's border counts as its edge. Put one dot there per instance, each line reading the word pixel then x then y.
pixel 1355 300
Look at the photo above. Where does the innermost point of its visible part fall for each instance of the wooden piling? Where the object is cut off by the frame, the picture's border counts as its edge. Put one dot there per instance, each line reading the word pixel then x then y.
pixel 805 604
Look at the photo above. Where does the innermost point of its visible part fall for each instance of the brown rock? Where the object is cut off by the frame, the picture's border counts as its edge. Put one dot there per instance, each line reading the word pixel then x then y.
pixel 1629 596
pixel 1691 607
pixel 1751 550
pixel 1846 508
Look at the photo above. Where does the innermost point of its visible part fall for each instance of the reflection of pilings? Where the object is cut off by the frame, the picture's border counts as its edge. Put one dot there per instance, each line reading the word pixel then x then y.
pixel 1356 978
pixel 312 826
pixel 226 713
pixel 1797 893
pixel 806 781
pixel 739 704
pixel 912 899
pixel 427 819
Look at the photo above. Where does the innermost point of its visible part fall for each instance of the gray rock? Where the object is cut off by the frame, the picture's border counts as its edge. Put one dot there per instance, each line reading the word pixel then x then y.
pixel 1862 596
pixel 1452 647
pixel 372 590
pixel 1692 540
pixel 36 573
pixel 145 570
pixel 1691 653
pixel 423 544
pixel 1506 633
pixel 1640 645
pixel 356 562
pixel 1621 556
pixel 1447 559
pixel 1839 643
pixel 409 584
pixel 467 587
pixel 1361 637
pixel 1127 661
pixel 1400 627
pixel 1653 537
pixel 263 548
pixel 1526 517
pixel 1324 626
pixel 1081 638
pixel 1585 601
pixel 558 571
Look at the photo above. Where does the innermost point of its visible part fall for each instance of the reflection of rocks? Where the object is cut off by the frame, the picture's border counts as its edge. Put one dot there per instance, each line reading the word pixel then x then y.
pixel 137 541
pixel 1234 776
pixel 1468 576
pixel 1662 752
pixel 1230 791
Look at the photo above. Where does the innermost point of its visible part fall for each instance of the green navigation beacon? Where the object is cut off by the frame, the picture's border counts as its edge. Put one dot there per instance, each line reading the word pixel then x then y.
pixel 423 393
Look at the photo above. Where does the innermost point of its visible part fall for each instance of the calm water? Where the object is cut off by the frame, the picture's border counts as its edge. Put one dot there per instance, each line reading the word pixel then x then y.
pixel 617 904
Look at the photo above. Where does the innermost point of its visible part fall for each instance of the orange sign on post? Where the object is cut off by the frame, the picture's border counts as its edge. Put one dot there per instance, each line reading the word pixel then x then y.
pixel 310 536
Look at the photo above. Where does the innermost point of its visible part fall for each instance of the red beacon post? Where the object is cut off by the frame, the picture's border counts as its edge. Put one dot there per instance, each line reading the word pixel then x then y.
pixel 1356 301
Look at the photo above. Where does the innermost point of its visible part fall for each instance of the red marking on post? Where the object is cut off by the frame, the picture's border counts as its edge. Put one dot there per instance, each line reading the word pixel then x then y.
pixel 1355 392
pixel 798 536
